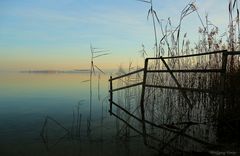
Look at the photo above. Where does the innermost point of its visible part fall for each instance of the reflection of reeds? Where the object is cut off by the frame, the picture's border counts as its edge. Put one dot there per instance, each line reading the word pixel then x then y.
pixel 95 53
pixel 76 122
pixel 74 133
pixel 45 130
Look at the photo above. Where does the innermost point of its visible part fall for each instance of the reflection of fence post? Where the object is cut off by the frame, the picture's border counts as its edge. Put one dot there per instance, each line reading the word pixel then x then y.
pixel 223 83
pixel 142 101
pixel 111 95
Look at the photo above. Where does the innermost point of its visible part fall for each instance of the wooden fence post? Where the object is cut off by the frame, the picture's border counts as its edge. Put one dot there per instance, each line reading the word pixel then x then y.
pixel 111 95
pixel 142 101
pixel 223 84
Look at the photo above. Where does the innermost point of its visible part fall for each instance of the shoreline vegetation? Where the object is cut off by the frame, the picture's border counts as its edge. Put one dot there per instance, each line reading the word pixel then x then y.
pixel 165 104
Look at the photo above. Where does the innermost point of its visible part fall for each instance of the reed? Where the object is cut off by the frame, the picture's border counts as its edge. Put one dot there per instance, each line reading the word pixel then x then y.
pixel 95 53
pixel 195 113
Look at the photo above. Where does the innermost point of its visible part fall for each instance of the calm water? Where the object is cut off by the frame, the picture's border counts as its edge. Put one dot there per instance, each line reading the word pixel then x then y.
pixel 26 99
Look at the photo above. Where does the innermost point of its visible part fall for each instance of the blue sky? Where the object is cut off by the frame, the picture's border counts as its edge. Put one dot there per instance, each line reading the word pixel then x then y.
pixel 56 34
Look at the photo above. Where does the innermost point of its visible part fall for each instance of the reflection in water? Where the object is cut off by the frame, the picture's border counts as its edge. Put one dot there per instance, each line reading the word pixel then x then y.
pixel 26 100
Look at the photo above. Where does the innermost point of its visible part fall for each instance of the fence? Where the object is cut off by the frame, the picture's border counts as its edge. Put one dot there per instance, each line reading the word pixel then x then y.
pixel 163 71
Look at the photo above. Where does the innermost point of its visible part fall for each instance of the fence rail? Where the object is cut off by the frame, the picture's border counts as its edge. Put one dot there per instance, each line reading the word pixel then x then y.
pixel 128 74
pixel 193 55
pixel 187 71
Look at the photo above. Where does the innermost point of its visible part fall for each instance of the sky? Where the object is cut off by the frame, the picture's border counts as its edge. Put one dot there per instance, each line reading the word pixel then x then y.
pixel 56 34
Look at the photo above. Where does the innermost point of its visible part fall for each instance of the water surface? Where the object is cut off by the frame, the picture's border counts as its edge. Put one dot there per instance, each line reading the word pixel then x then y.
pixel 26 99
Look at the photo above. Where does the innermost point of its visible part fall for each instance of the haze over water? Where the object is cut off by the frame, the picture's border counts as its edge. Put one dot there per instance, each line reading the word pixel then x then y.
pixel 26 99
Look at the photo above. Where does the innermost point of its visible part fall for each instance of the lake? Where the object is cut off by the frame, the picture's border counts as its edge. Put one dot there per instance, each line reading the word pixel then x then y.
pixel 26 99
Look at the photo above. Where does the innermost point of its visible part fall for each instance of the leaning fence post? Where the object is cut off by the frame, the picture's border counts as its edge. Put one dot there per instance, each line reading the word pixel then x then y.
pixel 142 101
pixel 111 95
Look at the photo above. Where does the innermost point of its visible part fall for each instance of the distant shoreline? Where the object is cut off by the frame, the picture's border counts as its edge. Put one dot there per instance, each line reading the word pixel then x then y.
pixel 55 71
pixel 77 71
